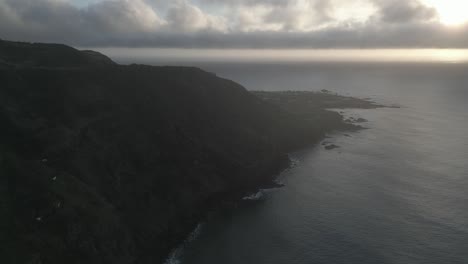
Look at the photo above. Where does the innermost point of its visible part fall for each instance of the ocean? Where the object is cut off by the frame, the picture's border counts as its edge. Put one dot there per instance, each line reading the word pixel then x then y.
pixel 393 193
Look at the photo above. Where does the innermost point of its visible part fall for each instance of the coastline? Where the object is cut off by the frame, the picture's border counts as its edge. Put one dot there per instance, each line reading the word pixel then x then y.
pixel 300 103
pixel 119 163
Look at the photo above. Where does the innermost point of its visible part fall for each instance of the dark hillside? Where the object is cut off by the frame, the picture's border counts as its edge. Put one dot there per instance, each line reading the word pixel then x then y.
pixel 22 54
pixel 102 163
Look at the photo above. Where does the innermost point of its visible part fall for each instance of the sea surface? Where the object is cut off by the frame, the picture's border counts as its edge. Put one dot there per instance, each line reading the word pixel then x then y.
pixel 394 193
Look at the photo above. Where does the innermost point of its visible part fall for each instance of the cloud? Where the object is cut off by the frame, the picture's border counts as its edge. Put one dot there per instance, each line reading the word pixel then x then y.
pixel 395 11
pixel 248 2
pixel 125 16
pixel 230 23
pixel 185 17
pixel 59 21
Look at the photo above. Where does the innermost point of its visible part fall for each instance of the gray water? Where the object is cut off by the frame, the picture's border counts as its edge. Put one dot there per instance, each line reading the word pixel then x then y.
pixel 394 193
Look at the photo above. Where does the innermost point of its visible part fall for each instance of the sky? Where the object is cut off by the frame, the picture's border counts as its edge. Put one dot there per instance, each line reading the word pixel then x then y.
pixel 239 24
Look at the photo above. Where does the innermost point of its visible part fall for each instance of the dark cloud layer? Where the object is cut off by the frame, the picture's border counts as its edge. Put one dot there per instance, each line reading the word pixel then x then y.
pixel 396 11
pixel 228 23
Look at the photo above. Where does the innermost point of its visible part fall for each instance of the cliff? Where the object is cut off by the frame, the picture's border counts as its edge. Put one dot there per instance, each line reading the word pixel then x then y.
pixel 105 163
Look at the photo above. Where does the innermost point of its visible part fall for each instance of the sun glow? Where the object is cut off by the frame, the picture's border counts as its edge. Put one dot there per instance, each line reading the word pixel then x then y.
pixel 451 12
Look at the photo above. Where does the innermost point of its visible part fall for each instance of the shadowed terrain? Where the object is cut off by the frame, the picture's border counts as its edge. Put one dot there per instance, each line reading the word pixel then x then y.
pixel 105 163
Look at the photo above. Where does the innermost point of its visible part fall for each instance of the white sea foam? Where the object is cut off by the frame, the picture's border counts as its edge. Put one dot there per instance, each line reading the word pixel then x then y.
pixel 254 197
pixel 176 255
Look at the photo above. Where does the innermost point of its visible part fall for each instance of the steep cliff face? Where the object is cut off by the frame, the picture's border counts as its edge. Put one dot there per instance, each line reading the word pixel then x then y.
pixel 103 163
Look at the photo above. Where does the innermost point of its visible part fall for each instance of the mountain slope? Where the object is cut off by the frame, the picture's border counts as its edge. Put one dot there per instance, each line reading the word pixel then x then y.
pixel 48 55
pixel 104 163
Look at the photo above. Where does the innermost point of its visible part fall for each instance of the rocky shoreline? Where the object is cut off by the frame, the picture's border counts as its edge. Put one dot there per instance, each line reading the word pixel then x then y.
pixel 308 105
